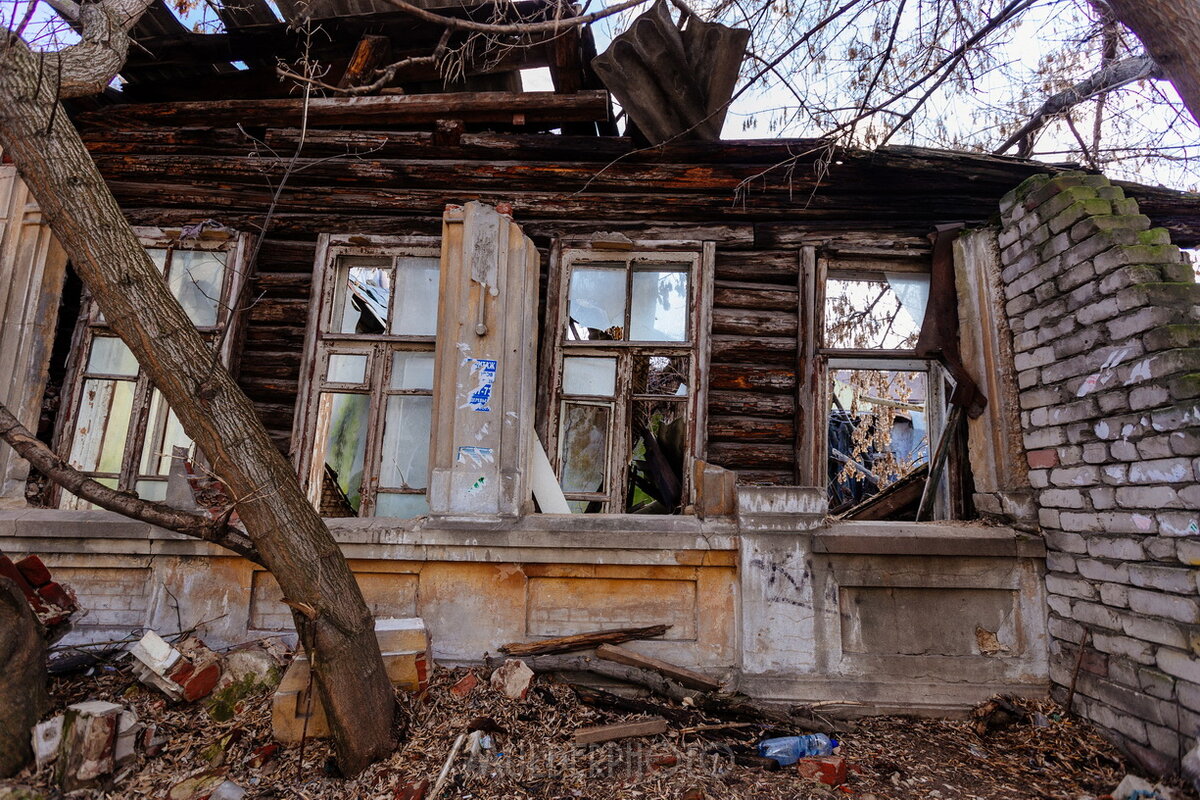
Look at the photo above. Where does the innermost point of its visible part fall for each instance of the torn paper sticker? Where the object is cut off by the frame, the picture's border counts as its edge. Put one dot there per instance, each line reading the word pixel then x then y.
pixel 475 455
pixel 485 371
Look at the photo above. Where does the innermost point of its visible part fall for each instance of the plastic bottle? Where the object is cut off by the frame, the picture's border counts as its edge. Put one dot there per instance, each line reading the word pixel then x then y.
pixel 787 750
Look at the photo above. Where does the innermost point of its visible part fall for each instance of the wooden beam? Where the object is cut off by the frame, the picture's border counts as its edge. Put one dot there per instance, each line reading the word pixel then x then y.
pixel 621 730
pixel 495 107
pixel 581 641
pixel 370 54
pixel 621 655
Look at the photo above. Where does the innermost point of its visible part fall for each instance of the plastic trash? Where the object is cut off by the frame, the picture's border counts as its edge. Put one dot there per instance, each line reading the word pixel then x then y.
pixel 787 750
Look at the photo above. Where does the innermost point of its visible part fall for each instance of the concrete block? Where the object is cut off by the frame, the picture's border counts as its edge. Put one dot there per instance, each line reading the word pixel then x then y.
pixel 1075 476
pixel 1057 561
pixel 1123 646
pixel 1074 543
pixel 1114 595
pixel 1178 580
pixel 1148 497
pixel 1063 498
pixel 1096 570
pixel 1070 586
pixel 1169 606
pixel 1181 664
pixel 1121 548
pixel 1162 470
pixel 1179 523
pixel 1159 548
pixel 1155 683
pixel 1096 616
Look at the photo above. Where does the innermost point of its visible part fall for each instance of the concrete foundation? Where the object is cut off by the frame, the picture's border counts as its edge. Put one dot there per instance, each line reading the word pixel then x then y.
pixel 853 612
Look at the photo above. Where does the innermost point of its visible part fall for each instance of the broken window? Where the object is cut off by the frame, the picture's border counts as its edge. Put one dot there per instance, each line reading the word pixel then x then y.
pixel 118 428
pixel 624 369
pixel 368 405
pixel 882 404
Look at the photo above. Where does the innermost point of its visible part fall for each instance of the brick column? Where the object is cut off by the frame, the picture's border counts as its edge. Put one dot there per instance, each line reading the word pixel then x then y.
pixel 1106 342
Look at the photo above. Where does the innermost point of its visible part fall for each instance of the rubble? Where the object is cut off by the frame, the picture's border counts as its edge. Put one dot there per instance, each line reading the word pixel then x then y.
pixel 245 672
pixel 187 672
pixel 829 770
pixel 86 748
pixel 534 754
pixel 512 679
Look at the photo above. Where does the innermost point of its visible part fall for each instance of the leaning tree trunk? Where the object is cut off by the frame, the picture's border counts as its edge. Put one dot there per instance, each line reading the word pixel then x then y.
pixel 1170 30
pixel 22 677
pixel 331 617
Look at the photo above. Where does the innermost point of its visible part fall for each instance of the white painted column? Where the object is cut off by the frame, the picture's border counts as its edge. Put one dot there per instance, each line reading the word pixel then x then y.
pixel 486 366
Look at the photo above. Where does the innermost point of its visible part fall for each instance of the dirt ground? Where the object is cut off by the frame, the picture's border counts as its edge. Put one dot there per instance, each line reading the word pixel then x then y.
pixel 1047 755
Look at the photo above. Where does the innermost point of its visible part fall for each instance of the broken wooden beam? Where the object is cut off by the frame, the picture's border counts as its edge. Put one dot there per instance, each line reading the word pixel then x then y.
pixel 370 54
pixel 598 698
pixel 582 641
pixel 509 108
pixel 686 677
pixel 621 730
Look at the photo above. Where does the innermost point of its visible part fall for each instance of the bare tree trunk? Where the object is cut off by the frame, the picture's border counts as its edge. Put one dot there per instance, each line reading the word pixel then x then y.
pixel 331 618
pixel 22 677
pixel 1170 30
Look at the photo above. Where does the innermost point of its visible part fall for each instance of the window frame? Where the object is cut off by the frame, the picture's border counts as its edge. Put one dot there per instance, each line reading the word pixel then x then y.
pixel 320 344
pixel 566 255
pixel 90 326
pixel 819 361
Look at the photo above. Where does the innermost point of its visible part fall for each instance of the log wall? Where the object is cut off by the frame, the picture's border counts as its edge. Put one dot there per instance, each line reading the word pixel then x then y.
pixel 396 183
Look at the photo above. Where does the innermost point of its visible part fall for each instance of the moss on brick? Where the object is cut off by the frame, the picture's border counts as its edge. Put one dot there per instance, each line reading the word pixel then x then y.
pixel 222 703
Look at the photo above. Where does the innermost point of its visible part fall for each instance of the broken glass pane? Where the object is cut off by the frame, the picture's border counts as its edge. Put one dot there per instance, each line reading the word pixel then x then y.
pixel 665 375
pixel 402 506
pixel 415 313
pixel 584 447
pixel 347 368
pixel 345 436
pixel 596 303
pixel 110 356
pixel 412 370
pixel 877 431
pixel 872 314
pixel 103 423
pixel 163 433
pixel 590 376
pixel 196 280
pixel 405 459
pixel 152 490
pixel 658 436
pixel 660 306
pixel 363 295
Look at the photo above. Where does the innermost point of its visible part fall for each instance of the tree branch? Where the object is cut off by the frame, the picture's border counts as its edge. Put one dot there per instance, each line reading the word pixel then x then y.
pixel 45 461
pixel 1114 76
pixel 87 67
pixel 521 28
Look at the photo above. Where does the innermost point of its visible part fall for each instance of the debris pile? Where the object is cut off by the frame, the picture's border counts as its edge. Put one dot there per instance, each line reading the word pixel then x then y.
pixel 187 672
pixel 512 729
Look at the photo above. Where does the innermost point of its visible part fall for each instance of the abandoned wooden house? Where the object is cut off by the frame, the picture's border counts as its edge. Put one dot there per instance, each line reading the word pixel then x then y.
pixel 545 378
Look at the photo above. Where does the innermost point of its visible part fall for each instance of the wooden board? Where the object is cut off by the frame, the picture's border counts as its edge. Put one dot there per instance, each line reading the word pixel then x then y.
pixel 582 641
pixel 693 680
pixel 621 730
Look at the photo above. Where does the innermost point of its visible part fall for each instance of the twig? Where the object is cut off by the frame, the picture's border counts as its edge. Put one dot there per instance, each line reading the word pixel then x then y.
pixel 1075 672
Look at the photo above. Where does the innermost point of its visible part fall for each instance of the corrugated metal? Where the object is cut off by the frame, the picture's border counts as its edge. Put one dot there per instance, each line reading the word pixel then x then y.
pixel 673 84
pixel 32 267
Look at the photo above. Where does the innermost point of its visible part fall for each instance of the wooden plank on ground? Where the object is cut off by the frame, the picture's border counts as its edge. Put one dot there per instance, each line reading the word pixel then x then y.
pixel 621 730
pixel 687 677
pixel 581 641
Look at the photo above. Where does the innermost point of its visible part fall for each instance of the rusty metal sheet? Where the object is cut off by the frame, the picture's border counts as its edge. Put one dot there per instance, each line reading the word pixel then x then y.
pixel 674 84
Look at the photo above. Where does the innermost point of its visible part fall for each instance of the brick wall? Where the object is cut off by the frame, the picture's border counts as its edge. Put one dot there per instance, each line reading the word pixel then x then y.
pixel 1104 320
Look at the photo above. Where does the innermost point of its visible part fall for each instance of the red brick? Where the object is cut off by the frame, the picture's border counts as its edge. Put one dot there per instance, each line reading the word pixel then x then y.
pixel 461 689
pixel 55 594
pixel 830 770
pixel 1043 459
pixel 34 571
pixel 9 570
pixel 202 682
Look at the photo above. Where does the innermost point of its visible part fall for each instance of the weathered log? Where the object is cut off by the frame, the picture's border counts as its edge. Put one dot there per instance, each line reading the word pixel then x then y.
pixel 581 641
pixel 758 455
pixel 753 323
pixel 685 677
pixel 502 107
pixel 757 298
pixel 750 429
pixel 369 54
pixel 755 349
pixel 751 403
pixel 767 477
pixel 751 377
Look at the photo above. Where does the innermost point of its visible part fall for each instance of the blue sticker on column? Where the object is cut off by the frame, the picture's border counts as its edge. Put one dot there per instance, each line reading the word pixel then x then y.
pixel 480 398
